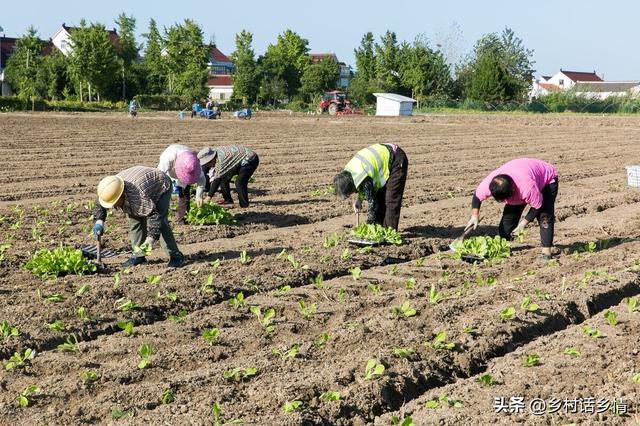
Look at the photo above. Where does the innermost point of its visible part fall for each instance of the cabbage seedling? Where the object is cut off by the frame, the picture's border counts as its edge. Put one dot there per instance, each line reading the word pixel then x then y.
pixel 7 331
pixel 71 344
pixel 531 360
pixel 305 310
pixel 572 352
pixel 126 326
pixel 211 336
pixel 23 397
pixel 402 352
pixel 435 296
pixel 237 374
pixel 632 304
pixel 331 241
pixel 167 396
pixel 591 332
pixel 329 396
pixel 611 317
pixel 89 376
pixel 145 351
pixel 237 302
pixel 528 306
pixel 404 310
pixel 57 325
pixel 19 361
pixel 486 380
pixel 153 278
pixel 507 313
pixel 291 406
pixel 355 272
pixel 179 317
pixel 125 305
pixel 440 342
pixel 373 369
pixel 265 321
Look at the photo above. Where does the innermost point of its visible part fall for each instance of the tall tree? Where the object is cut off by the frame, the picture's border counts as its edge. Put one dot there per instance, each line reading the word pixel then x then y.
pixel 154 64
pixel 362 85
pixel 187 57
pixel 424 71
pixel 286 60
pixel 319 77
pixel 489 82
pixel 245 76
pixel 388 62
pixel 128 48
pixel 22 67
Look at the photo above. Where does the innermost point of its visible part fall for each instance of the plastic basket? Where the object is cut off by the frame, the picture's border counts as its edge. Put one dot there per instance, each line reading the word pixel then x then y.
pixel 633 176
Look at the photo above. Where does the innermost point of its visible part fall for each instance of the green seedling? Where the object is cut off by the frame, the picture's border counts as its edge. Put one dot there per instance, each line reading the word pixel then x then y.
pixel 3 249
pixel 346 254
pixel 528 306
pixel 444 277
pixel 331 241
pixel 211 336
pixel 19 361
pixel 90 376
pixel 329 396
pixel 377 233
pixel 116 280
pixel 455 403
pixel 70 345
pixel 542 294
pixel 318 282
pixel 632 304
pixel 410 283
pixel 126 326
pixel 486 248
pixel 170 296
pixel 435 296
pixel 342 294
pixel 432 404
pixel 238 374
pixel 142 250
pixel 281 291
pixel 521 235
pixel 374 289
pixel 394 270
pixel 57 325
pixel 145 351
pixel 573 352
pixel 194 272
pixel 245 259
pixel 7 330
pixel 402 352
pixel 216 411
pixel 470 330
pixel 420 261
pixel 507 313
pixel 355 272
pixel 125 305
pixel 209 214
pixel 321 340
pixel 373 369
pixel 292 352
pixel 23 397
pixel 591 332
pixel 531 360
pixel 167 396
pixel 179 317
pixel 489 281
pixel 292 260
pixel 611 317
pixel 265 321
pixel 404 310
pixel 306 310
pixel 291 406
pixel 636 379
pixel 153 278
pixel 215 264
pixel 238 301
pixel 486 380
pixel 589 247
pixel 440 342
pixel 406 421
pixel 282 254
pixel 207 286
pixel 83 290
pixel 83 314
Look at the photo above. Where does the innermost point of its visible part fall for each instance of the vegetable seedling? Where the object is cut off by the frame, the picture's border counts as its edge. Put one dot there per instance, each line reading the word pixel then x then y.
pixel 145 351
pixel 355 272
pixel 406 421
pixel 306 310
pixel 179 317
pixel 572 352
pixel 153 278
pixel 321 340
pixel 216 411
pixel 402 352
pixel 331 241
pixel 23 397
pixel 245 259
pixel 70 345
pixel 346 254
pixel 636 379
pixel 374 289
pixel 265 321
pixel 126 326
pixel 167 396
pixel 89 376
pixel 507 313
pixel 591 332
pixel 238 374
pixel 292 352
pixel 57 325
pixel 329 396
pixel 238 301
pixel 528 306
pixel 19 361
pixel 435 296
pixel 7 330
pixel 486 380
pixel 142 250
pixel 281 291
pixel 373 369
pixel 404 310
pixel 291 406
pixel 440 342
pixel 611 317
pixel 318 282
pixel 632 304
pixel 125 305
pixel 410 283
pixel 211 336
pixel 377 233
pixel 531 360
pixel 209 214
pixel 84 289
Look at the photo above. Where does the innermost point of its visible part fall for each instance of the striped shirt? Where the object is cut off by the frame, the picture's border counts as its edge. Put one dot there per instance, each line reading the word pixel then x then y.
pixel 228 159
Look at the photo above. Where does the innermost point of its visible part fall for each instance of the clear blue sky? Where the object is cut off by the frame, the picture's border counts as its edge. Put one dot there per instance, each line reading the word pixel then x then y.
pixel 582 35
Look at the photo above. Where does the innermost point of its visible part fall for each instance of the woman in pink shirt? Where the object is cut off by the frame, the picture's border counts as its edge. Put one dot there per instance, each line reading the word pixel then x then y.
pixel 517 183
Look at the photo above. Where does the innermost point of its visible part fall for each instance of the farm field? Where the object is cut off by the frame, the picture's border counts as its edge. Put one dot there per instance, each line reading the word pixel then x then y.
pixel 318 349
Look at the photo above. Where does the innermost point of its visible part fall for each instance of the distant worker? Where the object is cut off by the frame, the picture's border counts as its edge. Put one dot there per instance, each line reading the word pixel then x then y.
pixel 223 163
pixel 182 165
pixel 377 174
pixel 195 109
pixel 144 194
pixel 209 104
pixel 517 183
pixel 133 108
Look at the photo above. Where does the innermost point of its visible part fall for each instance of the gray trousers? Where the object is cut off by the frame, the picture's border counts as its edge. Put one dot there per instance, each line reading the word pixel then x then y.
pixel 138 228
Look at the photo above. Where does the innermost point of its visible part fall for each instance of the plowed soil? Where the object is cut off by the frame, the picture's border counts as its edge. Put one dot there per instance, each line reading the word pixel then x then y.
pixel 52 164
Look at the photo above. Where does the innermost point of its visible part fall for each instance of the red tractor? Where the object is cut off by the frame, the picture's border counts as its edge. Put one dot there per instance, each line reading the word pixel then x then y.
pixel 335 103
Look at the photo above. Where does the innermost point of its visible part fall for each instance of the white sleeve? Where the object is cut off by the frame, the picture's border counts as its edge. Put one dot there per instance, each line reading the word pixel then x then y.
pixel 202 181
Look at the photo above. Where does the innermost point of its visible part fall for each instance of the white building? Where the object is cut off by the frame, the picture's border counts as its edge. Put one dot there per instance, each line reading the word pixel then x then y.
pixel 61 39
pixel 390 104
pixel 567 79
pixel 220 81
pixel 606 89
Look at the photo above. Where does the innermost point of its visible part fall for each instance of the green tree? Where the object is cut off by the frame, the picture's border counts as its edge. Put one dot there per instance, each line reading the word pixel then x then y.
pixel 23 65
pixel 423 71
pixel 53 76
pixel 362 85
pixel 286 60
pixel 489 81
pixel 319 78
pixel 272 90
pixel 388 62
pixel 128 49
pixel 154 64
pixel 187 57
pixel 245 76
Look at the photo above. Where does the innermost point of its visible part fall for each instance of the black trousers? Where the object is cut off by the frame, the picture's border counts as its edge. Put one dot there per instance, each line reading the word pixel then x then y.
pixel 183 203
pixel 244 173
pixel 546 216
pixel 389 197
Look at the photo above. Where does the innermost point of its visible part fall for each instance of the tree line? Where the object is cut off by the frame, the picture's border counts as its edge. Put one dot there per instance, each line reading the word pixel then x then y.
pixel 174 61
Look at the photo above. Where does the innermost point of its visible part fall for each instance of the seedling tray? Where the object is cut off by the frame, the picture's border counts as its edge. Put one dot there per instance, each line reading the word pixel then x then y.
pixel 364 243
pixel 471 258
pixel 90 251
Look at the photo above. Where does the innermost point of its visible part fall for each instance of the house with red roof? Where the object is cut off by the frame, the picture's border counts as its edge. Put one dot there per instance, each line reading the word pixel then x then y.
pixel 7 47
pixel 587 84
pixel 220 81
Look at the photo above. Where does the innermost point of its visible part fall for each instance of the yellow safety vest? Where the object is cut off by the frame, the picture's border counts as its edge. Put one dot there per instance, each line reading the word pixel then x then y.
pixel 373 162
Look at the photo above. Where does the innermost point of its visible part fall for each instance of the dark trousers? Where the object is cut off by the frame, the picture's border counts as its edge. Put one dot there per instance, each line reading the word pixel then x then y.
pixel 138 228
pixel 546 216
pixel 183 203
pixel 389 197
pixel 244 173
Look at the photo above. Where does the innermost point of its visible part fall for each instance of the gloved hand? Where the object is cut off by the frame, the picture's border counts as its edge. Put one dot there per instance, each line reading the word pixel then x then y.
pixel 149 242
pixel 357 205
pixel 473 222
pixel 523 223
pixel 98 229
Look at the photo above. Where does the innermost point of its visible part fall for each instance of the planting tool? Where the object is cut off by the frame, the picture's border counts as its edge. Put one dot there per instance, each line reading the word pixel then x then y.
pixel 363 243
pixel 454 243
pixel 96 252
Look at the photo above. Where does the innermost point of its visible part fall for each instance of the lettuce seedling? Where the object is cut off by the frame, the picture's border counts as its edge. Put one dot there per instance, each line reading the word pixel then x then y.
pixel 143 249
pixel 406 421
pixel 531 360
pixel 355 272
pixel 82 290
pixel 211 336
pixel 23 397
pixel 153 278
pixel 331 241
pixel 215 264
pixel 420 261
pixel 265 321
pixel 507 313
pixel 374 289
pixel 528 306
pixel 291 406
pixel 47 263
pixel 440 342
pixel 209 214
pixel 125 305
pixel 57 325
pixel 486 380
pixel 292 260
pixel 321 340
pixel 591 332
pixel 435 296
pixel 207 286
pixel 402 352
pixel 126 326
pixel 281 291
pixel 342 294
pixel 83 314
pixel 292 352
pixel 636 379
pixel 145 351
pixel 216 411
pixel 318 282
pixel 90 376
pixel 7 331
pixel 377 233
pixel 410 283
pixel 632 304
pixel 245 259
pixel 238 301
pixel 394 270
pixel 455 403
pixel 346 254
pixel 179 317
pixel 238 374
pixel 484 247
pixel 611 317
pixel 373 369
pixel 71 344
pixel 404 310
pixel 167 396
pixel 573 352
pixel 329 396
pixel 305 310
pixel 19 361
